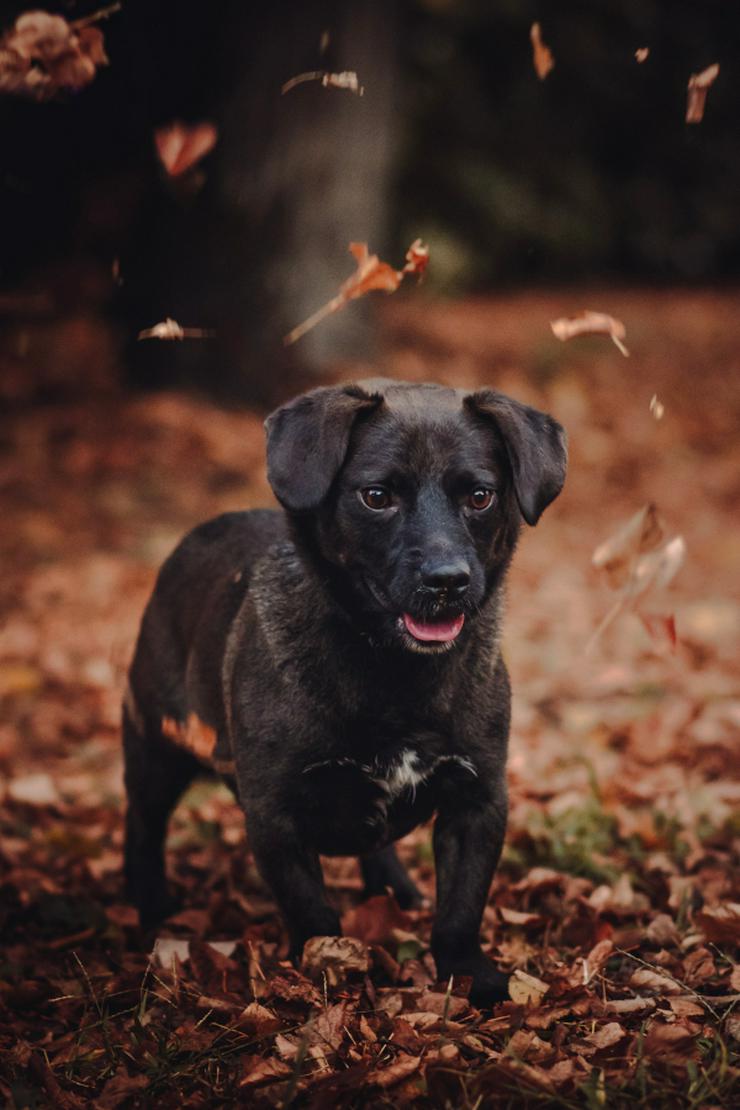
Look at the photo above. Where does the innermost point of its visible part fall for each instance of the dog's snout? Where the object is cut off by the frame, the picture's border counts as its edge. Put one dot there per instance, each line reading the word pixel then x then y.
pixel 451 577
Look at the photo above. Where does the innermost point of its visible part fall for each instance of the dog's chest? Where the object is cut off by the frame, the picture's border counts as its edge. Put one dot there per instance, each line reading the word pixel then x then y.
pixel 356 806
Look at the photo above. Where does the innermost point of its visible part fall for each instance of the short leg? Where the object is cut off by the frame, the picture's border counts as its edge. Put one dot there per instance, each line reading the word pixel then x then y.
pixel 467 846
pixel 292 870
pixel 384 869
pixel 156 774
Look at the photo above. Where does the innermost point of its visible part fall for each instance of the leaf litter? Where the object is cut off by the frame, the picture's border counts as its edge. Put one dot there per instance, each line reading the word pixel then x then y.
pixel 617 900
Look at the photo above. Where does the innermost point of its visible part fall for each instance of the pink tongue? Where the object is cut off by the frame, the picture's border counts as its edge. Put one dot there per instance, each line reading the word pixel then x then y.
pixel 439 631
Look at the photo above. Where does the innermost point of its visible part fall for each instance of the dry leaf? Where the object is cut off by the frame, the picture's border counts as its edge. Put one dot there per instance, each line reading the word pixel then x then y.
pixel 37 789
pixel 647 979
pixel 616 556
pixel 370 274
pixel 590 323
pixel 698 87
pixel 541 54
pixel 401 1068
pixel 345 80
pixel 43 54
pixel 720 923
pixel 170 329
pixel 335 957
pixel 180 146
pixel 526 989
pixel 657 409
pixel 660 629
pixel 641 54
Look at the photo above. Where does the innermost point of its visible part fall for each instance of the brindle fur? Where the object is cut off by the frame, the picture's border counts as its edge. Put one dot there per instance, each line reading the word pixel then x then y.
pixel 278 633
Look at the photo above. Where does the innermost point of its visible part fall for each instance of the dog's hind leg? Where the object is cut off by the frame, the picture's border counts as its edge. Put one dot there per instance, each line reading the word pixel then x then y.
pixel 156 774
pixel 384 869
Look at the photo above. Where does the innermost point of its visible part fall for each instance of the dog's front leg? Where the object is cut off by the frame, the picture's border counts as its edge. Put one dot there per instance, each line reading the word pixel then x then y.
pixel 293 872
pixel 467 846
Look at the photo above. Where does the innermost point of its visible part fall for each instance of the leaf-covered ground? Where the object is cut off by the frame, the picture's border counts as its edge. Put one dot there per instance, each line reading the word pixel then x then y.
pixel 616 902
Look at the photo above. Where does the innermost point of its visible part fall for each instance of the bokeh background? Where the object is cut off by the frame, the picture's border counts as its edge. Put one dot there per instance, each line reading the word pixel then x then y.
pixel 538 199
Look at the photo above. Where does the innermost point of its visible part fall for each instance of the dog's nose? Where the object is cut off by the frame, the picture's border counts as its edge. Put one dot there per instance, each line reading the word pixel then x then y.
pixel 451 578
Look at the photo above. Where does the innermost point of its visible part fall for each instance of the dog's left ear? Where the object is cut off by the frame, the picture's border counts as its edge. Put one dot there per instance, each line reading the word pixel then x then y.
pixel 535 444
pixel 307 442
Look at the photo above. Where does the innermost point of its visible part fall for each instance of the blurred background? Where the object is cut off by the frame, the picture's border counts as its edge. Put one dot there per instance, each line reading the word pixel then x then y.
pixel 589 175
pixel 538 199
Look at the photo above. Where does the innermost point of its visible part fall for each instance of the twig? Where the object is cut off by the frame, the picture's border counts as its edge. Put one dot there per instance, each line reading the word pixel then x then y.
pixel 95 17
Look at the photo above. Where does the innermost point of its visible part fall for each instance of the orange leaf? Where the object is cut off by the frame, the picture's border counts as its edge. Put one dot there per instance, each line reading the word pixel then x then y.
pixel 591 323
pixel 541 54
pixel 698 87
pixel 180 145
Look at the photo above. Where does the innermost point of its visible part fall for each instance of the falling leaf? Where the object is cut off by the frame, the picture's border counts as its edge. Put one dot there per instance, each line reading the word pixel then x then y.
pixel 641 54
pixel 616 556
pixel 541 54
pixel 657 409
pixel 370 274
pixel 698 87
pixel 43 54
pixel 526 989
pixel 660 629
pixel 345 80
pixel 170 329
pixel 590 323
pixel 180 146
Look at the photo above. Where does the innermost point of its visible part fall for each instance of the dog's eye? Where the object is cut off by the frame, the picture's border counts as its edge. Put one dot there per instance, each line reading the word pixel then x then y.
pixel 375 497
pixel 481 499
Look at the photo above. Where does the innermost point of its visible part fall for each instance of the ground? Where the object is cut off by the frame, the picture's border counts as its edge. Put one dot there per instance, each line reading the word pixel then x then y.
pixel 614 903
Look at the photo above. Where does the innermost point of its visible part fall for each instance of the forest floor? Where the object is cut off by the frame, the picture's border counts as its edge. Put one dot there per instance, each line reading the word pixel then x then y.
pixel 614 902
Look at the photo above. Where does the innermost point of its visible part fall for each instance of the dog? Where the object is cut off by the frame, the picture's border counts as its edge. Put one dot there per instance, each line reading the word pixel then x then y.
pixel 339 662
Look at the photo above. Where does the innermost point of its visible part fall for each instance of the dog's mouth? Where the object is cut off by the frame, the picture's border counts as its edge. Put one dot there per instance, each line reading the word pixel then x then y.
pixel 433 632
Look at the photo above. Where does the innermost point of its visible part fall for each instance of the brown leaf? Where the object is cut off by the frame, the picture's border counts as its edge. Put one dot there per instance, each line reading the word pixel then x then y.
pixel 616 556
pixel 370 274
pixel 258 1020
pixel 526 1045
pixel 401 1068
pixel 720 924
pixel 336 957
pixel 258 1070
pixel 641 54
pixel 542 58
pixel 345 80
pixel 671 1043
pixel 43 54
pixel 517 917
pixel 660 629
pixel 180 146
pixel 590 323
pixel 645 978
pixel 698 87
pixel 376 920
pixel 526 989
pixel 120 1088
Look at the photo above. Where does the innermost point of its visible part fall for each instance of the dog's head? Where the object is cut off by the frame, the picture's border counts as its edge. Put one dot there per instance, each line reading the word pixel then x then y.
pixel 415 494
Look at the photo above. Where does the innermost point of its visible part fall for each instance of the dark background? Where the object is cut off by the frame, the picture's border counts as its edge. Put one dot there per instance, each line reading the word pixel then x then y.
pixel 589 176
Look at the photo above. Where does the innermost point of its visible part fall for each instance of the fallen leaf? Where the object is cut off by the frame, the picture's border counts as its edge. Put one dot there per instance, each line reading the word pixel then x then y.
pixel 168 951
pixel 336 957
pixel 671 1043
pixel 698 87
pixel 401 1068
pixel 720 924
pixel 590 323
pixel 606 1035
pixel 259 1070
pixel 660 629
pixel 541 55
pixel 377 921
pixel 370 274
pixel 644 978
pixel 37 789
pixel 526 989
pixel 180 146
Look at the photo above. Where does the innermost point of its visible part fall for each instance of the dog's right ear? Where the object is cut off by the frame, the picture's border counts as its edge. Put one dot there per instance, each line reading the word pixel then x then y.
pixel 307 442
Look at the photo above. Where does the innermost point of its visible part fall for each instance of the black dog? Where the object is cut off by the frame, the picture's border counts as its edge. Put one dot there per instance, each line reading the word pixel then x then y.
pixel 339 662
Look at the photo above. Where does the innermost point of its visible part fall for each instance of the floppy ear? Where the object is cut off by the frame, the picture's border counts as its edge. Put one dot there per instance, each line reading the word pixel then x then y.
pixel 536 445
pixel 307 442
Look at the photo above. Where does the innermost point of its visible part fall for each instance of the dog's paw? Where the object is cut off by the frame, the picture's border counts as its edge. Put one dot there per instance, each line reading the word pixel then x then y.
pixel 489 984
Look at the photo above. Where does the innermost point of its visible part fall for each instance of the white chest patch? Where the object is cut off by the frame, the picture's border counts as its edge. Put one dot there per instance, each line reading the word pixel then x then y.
pixel 405 772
